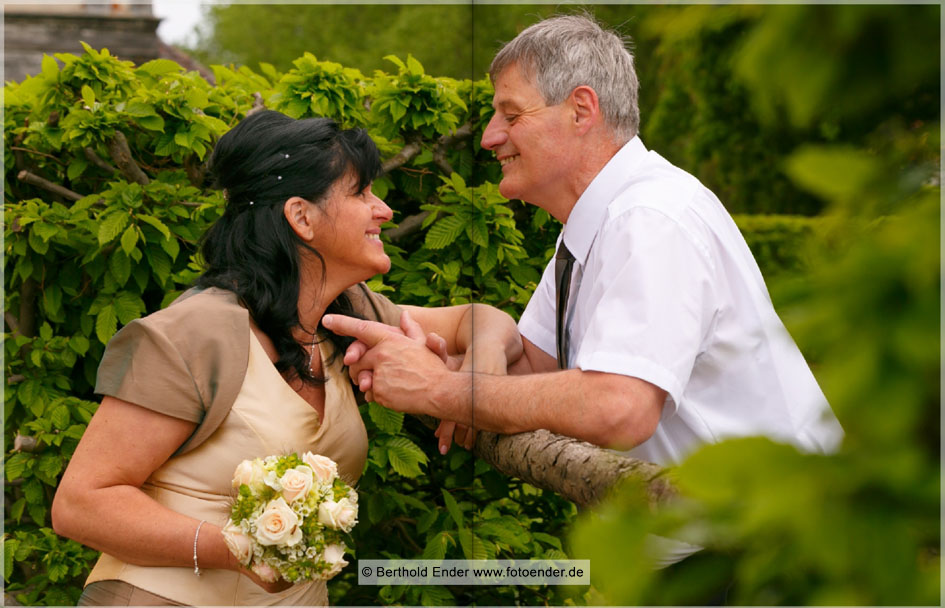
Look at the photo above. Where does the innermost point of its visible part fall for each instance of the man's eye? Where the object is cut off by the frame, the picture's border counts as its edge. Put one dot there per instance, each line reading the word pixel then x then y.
pixel 510 118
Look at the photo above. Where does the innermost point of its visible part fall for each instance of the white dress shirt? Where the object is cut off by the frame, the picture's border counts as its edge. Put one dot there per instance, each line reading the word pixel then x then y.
pixel 665 289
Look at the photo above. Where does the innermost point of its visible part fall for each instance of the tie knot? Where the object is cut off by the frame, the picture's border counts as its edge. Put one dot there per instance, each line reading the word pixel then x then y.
pixel 563 252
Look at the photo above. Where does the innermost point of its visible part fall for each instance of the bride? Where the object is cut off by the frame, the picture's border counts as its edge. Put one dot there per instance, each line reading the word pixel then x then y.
pixel 239 367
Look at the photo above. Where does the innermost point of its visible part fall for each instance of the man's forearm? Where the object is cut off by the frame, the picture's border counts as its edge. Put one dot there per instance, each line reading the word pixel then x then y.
pixel 604 409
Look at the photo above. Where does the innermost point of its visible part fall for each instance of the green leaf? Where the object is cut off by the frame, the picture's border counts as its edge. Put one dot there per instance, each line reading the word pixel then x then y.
pixel 60 417
pixel 80 344
pixel 111 226
pixel 832 172
pixel 414 66
pixel 50 465
pixel 160 67
pixel 473 546
pixel 106 324
pixel 436 595
pixel 453 507
pixel 444 232
pixel 76 168
pixel 17 465
pixel 33 491
pixel 426 520
pixel 119 265
pixel 45 231
pixel 128 307
pixel 9 548
pixel 88 95
pixel 405 456
pixel 50 68
pixel 151 123
pixel 129 239
pixel 45 332
pixel 548 539
pixel 436 547
pixel 385 419
pixel 156 223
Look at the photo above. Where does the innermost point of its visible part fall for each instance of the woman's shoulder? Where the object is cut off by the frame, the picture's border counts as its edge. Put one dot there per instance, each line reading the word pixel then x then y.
pixel 197 307
pixel 372 305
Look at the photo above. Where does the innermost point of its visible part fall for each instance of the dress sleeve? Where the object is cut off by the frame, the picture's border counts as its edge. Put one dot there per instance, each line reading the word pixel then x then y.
pixel 187 361
pixel 142 365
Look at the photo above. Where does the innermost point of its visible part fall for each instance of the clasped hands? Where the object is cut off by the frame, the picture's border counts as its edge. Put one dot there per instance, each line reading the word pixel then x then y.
pixel 403 368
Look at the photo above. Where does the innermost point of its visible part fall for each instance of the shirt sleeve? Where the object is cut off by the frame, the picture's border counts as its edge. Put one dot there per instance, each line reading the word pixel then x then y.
pixel 537 323
pixel 655 304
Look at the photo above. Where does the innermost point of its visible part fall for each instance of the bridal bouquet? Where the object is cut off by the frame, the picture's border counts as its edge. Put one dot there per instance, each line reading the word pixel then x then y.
pixel 290 517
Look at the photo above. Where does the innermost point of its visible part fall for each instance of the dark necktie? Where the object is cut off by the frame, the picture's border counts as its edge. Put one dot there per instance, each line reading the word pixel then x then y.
pixel 563 263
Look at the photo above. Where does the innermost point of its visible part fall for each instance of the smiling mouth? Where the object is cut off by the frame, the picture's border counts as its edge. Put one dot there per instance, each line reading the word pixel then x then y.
pixel 374 236
pixel 507 159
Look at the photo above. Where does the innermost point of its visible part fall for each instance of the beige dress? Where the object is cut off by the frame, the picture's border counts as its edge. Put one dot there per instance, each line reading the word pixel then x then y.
pixel 267 417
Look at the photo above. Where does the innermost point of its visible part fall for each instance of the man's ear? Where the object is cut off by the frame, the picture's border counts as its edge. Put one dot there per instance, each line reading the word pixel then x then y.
pixel 585 108
pixel 297 212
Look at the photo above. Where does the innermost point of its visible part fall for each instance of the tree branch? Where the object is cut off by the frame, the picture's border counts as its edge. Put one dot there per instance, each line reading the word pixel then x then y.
pixel 406 154
pixel 121 154
pixel 27 316
pixel 11 321
pixel 98 161
pixel 407 227
pixel 443 144
pixel 45 184
pixel 579 471
pixel 258 104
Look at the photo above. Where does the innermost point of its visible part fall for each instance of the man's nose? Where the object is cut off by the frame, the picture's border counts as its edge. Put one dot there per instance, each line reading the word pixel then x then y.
pixel 495 134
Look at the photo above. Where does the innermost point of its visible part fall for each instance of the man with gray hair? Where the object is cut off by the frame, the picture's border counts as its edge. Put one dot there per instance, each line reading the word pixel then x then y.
pixel 652 330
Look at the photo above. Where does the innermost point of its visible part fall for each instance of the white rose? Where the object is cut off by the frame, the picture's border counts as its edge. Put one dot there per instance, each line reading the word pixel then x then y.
pixel 278 524
pixel 334 557
pixel 296 483
pixel 341 515
pixel 250 472
pixel 239 544
pixel 265 572
pixel 324 468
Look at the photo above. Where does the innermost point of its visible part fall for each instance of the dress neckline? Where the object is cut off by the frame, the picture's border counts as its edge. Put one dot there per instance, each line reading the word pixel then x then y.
pixel 327 371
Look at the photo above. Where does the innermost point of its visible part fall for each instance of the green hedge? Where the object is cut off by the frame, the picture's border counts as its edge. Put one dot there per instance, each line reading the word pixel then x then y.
pixel 105 202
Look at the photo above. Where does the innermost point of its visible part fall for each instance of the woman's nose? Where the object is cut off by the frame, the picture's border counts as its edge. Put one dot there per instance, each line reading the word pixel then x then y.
pixel 381 210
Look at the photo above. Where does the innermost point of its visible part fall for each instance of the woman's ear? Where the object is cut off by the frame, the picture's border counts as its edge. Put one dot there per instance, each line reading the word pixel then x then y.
pixel 297 212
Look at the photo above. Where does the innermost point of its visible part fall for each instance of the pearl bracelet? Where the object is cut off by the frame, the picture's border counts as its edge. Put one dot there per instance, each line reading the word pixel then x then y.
pixel 196 536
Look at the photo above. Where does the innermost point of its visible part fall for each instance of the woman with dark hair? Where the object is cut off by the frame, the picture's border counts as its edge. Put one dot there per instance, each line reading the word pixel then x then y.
pixel 239 368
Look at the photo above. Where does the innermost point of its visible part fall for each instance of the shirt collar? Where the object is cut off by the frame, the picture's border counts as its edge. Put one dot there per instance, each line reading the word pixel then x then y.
pixel 587 216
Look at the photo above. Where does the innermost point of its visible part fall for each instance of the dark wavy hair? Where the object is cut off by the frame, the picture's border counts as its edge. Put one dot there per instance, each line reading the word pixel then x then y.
pixel 252 250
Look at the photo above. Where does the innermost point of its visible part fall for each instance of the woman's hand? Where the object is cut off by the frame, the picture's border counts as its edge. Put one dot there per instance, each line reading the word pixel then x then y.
pixel 280 584
pixel 448 431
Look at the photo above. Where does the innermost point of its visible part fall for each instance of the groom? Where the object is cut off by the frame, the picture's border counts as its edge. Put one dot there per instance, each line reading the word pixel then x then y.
pixel 652 330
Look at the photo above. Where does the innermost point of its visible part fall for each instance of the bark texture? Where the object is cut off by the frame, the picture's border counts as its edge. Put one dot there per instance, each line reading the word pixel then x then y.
pixel 579 471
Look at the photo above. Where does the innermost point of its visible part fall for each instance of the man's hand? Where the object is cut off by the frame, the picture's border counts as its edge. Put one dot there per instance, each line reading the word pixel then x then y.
pixel 397 367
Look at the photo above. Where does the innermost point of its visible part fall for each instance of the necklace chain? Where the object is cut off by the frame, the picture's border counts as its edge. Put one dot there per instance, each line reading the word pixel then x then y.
pixel 311 353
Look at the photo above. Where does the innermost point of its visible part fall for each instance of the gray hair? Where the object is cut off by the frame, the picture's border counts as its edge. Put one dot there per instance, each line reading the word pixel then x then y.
pixel 562 53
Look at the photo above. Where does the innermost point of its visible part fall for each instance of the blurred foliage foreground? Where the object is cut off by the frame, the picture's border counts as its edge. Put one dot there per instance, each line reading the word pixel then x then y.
pixel 861 527
pixel 105 200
